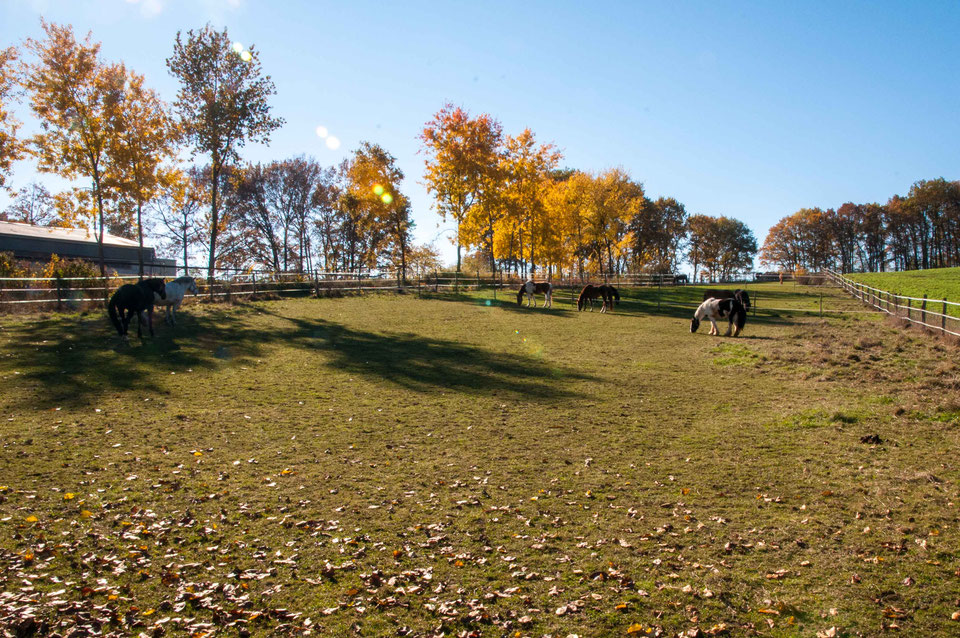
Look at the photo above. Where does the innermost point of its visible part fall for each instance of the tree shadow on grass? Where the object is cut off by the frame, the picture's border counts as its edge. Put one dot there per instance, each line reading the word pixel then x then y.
pixel 75 360
pixel 424 364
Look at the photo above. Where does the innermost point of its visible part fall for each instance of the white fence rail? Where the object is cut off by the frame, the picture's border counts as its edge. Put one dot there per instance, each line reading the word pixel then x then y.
pixel 918 310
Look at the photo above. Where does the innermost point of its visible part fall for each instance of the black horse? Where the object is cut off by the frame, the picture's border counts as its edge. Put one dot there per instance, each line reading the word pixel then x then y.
pixel 132 299
pixel 738 294
pixel 608 293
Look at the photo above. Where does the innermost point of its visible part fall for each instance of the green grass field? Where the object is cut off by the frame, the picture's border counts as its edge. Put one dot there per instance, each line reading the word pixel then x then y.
pixel 454 465
pixel 936 283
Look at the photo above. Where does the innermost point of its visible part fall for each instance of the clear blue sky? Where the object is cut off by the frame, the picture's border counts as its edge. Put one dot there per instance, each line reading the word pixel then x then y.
pixel 751 110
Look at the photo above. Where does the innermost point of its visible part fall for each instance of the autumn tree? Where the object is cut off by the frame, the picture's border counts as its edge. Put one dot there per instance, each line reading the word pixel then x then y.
pixel 656 231
pixel 33 205
pixel 374 188
pixel 722 245
pixel 462 156
pixel 141 137
pixel 222 104
pixel 11 148
pixel 525 169
pixel 176 208
pixel 74 95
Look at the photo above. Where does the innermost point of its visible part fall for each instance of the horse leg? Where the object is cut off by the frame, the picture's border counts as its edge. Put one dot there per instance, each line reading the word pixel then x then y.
pixel 549 301
pixel 150 319
pixel 713 327
pixel 729 328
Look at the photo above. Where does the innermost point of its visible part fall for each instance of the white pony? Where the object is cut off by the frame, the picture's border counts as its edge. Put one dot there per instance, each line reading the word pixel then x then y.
pixel 176 290
pixel 714 309
pixel 540 287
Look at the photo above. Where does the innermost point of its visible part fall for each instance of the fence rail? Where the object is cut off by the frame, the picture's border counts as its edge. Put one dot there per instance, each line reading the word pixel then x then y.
pixel 76 293
pixel 918 310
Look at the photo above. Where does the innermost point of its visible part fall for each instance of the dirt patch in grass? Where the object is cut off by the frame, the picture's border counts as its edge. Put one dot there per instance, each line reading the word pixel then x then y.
pixel 404 466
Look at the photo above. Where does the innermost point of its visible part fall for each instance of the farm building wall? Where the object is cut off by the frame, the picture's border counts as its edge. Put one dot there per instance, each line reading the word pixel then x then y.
pixel 32 243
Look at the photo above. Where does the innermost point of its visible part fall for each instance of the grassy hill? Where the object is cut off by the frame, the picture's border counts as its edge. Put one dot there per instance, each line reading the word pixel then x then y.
pixel 936 283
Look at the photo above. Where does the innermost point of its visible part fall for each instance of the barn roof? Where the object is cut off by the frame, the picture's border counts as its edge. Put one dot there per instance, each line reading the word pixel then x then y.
pixel 63 234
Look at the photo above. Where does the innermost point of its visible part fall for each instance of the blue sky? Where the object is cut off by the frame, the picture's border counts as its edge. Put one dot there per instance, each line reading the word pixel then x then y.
pixel 751 110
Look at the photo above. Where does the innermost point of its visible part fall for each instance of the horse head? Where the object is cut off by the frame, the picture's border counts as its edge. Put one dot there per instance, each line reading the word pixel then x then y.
pixel 694 324
pixel 520 295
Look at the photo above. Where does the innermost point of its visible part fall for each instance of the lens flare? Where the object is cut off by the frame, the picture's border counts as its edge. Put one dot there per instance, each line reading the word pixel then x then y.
pixel 322 132
pixel 378 190
pixel 237 47
pixel 245 56
pixel 387 198
pixel 333 143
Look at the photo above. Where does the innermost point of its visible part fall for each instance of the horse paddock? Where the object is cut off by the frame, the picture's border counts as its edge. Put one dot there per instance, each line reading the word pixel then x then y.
pixel 459 466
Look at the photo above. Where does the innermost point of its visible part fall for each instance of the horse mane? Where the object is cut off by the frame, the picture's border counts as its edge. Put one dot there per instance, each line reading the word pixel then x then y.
pixel 183 280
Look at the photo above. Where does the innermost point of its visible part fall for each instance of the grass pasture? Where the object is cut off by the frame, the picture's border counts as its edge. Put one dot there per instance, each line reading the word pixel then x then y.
pixel 453 465
pixel 936 283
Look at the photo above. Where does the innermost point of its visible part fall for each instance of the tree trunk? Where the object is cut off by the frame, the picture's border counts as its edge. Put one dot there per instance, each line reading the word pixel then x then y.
pixel 140 235
pixel 214 226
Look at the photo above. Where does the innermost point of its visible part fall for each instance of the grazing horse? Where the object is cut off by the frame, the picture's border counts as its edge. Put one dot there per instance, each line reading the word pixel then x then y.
pixel 605 291
pixel 738 294
pixel 176 290
pixel 715 309
pixel 531 288
pixel 133 299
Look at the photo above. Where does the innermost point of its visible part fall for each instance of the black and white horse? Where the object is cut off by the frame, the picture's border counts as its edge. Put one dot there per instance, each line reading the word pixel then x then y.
pixel 176 290
pixel 717 309
pixel 738 294
pixel 608 293
pixel 531 288
pixel 132 299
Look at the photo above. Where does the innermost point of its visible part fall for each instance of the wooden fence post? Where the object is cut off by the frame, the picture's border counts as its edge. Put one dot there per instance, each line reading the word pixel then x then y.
pixel 923 309
pixel 943 317
pixel 59 293
pixel 909 308
pixel 436 281
pixel 254 273
pixel 821 305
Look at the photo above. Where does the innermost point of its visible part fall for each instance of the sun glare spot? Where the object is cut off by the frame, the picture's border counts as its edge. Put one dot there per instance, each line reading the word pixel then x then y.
pixel 322 131
pixel 378 190
pixel 333 143
pixel 387 198
pixel 245 56
pixel 237 47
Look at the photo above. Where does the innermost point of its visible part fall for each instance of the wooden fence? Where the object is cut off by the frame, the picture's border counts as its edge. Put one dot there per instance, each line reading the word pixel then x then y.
pixel 78 293
pixel 919 310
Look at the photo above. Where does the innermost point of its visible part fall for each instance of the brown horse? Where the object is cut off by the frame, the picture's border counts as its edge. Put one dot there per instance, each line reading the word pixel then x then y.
pixel 605 291
pixel 531 288
pixel 738 294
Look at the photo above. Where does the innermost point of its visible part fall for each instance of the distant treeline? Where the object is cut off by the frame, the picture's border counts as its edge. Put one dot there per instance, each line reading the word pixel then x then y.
pixel 921 230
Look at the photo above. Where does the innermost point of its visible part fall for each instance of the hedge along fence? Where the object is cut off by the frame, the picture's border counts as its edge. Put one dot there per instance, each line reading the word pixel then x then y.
pixel 918 310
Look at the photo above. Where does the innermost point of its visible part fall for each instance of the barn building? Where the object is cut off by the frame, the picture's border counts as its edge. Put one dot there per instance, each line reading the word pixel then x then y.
pixel 38 243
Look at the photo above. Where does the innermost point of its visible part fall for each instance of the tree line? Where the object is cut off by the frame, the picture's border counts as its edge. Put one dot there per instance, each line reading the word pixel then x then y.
pixel 917 231
pixel 517 210
pixel 513 206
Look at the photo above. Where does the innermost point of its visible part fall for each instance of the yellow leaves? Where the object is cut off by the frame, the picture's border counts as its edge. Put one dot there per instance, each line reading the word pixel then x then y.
pixel 772 612
pixel 826 493
pixel 287 472
pixel 149 612
pixel 197 453
pixel 622 606
pixel 685 491
pixel 458 563
pixel 69 496
pixel 638 628
pixel 31 519
pixel 28 557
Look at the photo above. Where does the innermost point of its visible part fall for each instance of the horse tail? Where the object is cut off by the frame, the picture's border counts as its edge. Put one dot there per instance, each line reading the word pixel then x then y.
pixel 740 318
pixel 616 293
pixel 112 310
